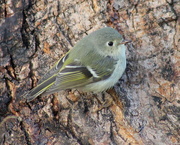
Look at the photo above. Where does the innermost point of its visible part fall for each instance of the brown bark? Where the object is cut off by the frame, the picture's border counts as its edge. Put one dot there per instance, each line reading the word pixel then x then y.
pixel 145 102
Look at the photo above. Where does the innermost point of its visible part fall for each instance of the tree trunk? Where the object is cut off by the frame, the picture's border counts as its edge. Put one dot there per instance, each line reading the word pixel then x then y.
pixel 144 105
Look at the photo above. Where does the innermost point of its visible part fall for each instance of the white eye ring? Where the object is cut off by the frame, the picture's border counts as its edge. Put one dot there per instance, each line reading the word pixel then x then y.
pixel 110 43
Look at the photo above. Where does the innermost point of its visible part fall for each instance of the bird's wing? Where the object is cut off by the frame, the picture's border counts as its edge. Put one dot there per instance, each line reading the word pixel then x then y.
pixel 72 75
pixel 76 74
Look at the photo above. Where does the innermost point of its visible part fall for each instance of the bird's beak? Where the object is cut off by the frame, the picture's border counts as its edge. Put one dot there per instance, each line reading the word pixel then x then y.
pixel 125 42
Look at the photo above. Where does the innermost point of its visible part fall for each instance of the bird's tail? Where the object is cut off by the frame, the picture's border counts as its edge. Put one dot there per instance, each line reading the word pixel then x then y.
pixel 39 89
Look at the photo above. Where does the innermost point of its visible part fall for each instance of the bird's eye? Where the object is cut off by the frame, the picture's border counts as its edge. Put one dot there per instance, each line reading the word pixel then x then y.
pixel 110 43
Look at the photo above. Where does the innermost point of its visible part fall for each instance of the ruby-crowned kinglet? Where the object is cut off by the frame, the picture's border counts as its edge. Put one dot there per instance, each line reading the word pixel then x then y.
pixel 94 64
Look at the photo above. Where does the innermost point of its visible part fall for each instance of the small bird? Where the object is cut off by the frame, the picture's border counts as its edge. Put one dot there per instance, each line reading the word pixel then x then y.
pixel 95 64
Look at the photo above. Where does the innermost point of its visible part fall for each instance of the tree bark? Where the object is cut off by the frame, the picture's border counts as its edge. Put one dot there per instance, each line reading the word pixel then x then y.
pixel 145 103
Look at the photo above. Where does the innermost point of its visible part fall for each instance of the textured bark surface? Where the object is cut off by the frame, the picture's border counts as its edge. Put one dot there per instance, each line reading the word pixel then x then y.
pixel 145 105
